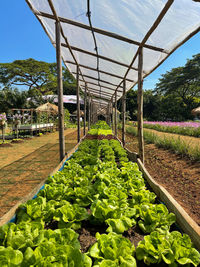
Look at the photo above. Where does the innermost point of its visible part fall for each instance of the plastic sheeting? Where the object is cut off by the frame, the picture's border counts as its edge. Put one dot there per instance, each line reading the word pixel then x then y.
pixel 131 19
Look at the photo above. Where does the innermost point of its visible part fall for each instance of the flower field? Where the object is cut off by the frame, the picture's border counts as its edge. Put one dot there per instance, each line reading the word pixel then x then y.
pixel 172 124
pixel 183 128
pixel 99 188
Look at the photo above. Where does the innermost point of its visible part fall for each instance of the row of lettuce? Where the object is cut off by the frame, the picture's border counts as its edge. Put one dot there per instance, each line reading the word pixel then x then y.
pixel 98 186
pixel 100 128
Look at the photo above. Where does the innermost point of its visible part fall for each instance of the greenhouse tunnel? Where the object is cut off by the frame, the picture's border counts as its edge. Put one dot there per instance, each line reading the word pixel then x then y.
pixel 109 48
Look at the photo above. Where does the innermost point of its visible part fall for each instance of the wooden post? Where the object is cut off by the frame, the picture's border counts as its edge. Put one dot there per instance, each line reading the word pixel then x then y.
pixel 123 112
pixel 3 131
pixel 31 122
pixel 78 106
pixel 140 105
pixel 22 116
pixel 31 116
pixel 116 113
pixel 112 114
pixel 85 104
pixel 108 113
pixel 89 111
pixel 60 93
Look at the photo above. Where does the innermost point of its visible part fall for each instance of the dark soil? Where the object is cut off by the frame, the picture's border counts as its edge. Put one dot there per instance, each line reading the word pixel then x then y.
pixel 134 234
pixel 87 234
pixel 180 176
pixel 87 238
pixel 88 231
pixel 53 224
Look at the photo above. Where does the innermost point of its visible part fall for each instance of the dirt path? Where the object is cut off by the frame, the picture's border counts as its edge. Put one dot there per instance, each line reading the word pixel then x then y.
pixel 180 176
pixel 25 165
pixel 17 151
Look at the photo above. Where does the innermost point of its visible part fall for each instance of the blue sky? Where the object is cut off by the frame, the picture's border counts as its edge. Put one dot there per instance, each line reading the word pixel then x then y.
pixel 23 37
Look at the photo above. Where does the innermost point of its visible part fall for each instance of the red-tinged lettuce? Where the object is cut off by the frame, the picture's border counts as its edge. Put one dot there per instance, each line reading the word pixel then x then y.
pixel 155 216
pixel 112 250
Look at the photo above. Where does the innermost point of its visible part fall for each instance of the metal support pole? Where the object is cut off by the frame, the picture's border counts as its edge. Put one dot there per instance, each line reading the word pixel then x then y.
pixel 89 111
pixel 85 104
pixel 116 113
pixel 123 112
pixel 140 105
pixel 60 93
pixel 78 106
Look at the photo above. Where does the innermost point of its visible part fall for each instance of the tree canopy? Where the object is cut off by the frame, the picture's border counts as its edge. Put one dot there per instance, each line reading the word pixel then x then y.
pixel 37 77
pixel 12 98
pixel 182 83
pixel 175 95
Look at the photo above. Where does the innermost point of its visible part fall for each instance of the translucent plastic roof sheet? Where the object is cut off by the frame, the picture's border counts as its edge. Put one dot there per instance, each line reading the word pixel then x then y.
pixel 104 37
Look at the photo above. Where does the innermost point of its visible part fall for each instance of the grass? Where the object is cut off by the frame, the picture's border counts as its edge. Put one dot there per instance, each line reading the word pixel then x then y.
pixel 174 144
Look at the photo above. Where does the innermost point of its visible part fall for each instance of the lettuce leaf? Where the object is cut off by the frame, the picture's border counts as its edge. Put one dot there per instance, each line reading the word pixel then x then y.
pixel 112 249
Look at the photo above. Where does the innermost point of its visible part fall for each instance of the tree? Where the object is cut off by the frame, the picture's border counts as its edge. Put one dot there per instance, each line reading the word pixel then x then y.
pixel 38 77
pixel 151 104
pixel 12 98
pixel 182 83
pixel 29 73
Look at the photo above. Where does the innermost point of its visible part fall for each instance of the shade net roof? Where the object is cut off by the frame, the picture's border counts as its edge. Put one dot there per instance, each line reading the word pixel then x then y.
pixel 103 37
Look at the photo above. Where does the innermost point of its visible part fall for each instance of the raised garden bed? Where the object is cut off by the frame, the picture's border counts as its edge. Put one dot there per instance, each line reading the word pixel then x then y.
pixel 94 194
pixel 5 145
pixel 100 137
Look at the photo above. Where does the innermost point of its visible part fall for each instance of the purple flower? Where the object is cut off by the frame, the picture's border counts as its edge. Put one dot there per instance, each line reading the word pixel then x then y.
pixel 3 117
pixel 172 124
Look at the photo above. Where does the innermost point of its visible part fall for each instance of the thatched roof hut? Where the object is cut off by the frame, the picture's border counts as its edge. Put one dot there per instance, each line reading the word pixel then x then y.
pixel 47 107
pixel 196 111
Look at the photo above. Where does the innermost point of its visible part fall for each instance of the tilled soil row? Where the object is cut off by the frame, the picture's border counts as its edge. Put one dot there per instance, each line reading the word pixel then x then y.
pixel 180 176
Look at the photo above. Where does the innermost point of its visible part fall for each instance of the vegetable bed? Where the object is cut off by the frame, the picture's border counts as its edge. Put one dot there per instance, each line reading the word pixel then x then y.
pixel 96 212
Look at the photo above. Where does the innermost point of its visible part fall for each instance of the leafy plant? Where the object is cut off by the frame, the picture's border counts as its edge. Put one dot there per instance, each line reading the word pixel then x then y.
pixel 112 250
pixel 155 216
pixel 10 257
pixel 172 248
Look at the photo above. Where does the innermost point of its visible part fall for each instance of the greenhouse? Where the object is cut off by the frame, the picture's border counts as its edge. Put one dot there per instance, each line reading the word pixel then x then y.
pixel 101 207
